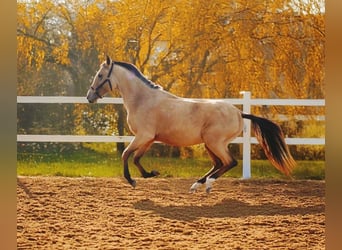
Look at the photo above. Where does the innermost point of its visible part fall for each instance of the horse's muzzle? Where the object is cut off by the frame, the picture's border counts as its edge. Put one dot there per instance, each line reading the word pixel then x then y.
pixel 92 100
pixel 91 97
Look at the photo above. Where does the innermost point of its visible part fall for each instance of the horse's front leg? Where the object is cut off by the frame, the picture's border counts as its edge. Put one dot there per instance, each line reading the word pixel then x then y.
pixel 137 156
pixel 138 145
pixel 125 155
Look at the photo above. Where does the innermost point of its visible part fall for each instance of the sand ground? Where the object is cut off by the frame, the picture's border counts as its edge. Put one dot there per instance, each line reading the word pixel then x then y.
pixel 106 213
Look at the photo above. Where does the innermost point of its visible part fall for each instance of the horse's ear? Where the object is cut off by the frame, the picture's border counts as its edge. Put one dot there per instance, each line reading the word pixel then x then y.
pixel 108 60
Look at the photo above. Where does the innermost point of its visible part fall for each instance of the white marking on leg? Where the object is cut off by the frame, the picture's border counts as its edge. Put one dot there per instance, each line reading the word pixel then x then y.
pixel 209 184
pixel 195 186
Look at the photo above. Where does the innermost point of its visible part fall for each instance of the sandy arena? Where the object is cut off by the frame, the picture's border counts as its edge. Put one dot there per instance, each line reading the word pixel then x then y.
pixel 106 213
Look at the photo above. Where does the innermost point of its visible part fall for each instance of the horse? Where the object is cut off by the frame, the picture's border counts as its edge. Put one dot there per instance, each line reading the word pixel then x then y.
pixel 154 114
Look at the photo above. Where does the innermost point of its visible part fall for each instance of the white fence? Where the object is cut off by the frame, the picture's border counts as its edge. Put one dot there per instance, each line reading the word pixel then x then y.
pixel 246 139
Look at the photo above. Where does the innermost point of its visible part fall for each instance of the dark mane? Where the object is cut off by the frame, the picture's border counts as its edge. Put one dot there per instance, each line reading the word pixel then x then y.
pixel 138 74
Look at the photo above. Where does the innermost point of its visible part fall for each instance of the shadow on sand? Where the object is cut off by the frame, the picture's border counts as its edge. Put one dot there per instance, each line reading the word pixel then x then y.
pixel 227 208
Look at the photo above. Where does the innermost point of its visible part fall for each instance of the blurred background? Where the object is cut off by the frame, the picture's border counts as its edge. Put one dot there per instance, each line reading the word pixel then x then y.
pixel 195 49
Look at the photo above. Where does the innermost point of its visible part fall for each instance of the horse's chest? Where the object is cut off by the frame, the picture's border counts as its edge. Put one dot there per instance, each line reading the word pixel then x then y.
pixel 139 122
pixel 132 125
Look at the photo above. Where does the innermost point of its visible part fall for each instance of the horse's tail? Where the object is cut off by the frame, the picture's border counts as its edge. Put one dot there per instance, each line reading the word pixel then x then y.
pixel 271 138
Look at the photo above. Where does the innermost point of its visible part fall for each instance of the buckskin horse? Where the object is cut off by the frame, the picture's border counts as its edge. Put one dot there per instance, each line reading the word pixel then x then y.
pixel 154 114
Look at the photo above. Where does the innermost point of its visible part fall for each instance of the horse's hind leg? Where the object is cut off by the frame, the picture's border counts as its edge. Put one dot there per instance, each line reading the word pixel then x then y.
pixel 220 150
pixel 217 165
pixel 211 178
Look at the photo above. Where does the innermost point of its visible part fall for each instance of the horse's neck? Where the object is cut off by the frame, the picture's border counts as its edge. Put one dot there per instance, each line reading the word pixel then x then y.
pixel 133 92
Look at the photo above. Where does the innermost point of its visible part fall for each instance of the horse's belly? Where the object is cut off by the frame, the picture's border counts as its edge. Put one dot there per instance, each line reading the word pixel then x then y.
pixel 179 139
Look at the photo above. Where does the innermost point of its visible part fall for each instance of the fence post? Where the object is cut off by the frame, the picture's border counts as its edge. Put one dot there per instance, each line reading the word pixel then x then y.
pixel 246 153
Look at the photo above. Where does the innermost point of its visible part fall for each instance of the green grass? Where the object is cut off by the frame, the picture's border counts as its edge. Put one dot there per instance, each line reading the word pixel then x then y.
pixel 92 164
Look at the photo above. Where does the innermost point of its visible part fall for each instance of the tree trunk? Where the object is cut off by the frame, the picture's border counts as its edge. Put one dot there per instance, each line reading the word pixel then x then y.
pixel 120 146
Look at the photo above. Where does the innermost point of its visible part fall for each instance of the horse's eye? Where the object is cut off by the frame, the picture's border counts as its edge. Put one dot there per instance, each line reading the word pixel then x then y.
pixel 100 76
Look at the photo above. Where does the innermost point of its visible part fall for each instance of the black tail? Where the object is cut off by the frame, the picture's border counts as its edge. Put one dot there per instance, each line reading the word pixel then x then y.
pixel 271 138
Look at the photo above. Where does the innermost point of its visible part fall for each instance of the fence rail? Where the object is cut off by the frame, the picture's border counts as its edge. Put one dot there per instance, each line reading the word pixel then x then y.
pixel 246 139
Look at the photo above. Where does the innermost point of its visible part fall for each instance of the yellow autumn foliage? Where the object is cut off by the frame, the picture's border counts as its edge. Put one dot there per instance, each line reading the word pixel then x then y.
pixel 193 48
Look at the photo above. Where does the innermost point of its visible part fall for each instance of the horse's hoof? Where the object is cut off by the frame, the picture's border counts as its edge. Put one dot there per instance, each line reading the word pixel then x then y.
pixel 209 184
pixel 154 173
pixel 194 187
pixel 133 183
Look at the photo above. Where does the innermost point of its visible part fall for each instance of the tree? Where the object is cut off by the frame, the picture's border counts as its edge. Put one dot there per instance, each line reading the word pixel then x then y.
pixel 193 48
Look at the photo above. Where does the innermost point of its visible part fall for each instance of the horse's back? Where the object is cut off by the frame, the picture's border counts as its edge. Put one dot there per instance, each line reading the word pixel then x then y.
pixel 183 122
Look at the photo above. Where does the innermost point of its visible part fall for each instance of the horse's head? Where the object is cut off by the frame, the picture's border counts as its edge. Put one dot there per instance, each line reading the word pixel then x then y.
pixel 102 83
